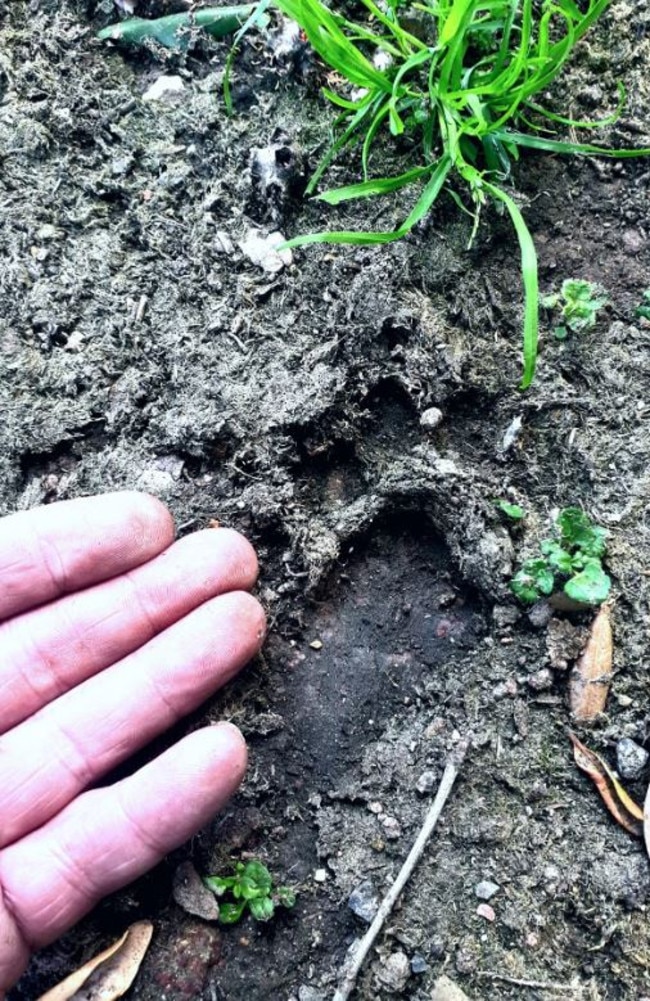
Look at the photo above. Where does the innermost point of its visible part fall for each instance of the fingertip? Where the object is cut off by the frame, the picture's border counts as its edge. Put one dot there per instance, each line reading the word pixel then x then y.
pixel 233 747
pixel 152 519
pixel 252 617
pixel 243 555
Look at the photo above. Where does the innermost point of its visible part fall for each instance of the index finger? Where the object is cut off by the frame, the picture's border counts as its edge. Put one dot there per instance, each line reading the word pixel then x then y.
pixel 54 550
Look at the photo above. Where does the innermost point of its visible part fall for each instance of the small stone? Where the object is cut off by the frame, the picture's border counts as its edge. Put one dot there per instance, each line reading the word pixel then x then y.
pixel 541 680
pixel 375 807
pixel 445 989
pixel 320 875
pixel 426 783
pixel 431 418
pixel 505 615
pixel 631 759
pixel 223 244
pixel 306 993
pixel 418 963
pixel 485 911
pixel 540 614
pixel 564 642
pixel 47 232
pixel 316 645
pixel 624 701
pixel 486 889
pixel 262 250
pixel 392 828
pixel 505 689
pixel 394 973
pixel 363 901
pixel 633 241
pixel 165 88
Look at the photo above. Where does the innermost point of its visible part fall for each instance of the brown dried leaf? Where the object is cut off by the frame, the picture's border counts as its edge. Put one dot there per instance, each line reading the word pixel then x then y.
pixel 592 674
pixel 621 806
pixel 108 975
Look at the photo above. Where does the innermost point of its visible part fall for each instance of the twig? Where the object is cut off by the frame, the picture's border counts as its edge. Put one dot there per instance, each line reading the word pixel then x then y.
pixel 540 985
pixel 353 964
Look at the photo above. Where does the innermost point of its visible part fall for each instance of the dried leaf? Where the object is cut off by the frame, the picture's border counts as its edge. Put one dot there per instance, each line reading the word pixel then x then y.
pixel 621 806
pixel 592 674
pixel 110 974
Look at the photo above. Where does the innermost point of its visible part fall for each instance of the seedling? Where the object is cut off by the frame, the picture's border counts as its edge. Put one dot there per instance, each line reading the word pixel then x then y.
pixel 579 302
pixel 455 82
pixel 250 888
pixel 512 511
pixel 643 309
pixel 571 560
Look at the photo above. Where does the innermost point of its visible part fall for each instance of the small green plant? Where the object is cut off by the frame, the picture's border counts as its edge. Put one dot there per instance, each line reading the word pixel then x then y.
pixel 250 888
pixel 572 560
pixel 512 511
pixel 643 309
pixel 456 83
pixel 579 302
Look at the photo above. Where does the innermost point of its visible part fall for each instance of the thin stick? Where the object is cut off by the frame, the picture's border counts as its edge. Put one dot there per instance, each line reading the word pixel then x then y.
pixel 540 985
pixel 353 964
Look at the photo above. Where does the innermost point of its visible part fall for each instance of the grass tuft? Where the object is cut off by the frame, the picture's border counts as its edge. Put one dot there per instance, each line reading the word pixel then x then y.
pixel 459 79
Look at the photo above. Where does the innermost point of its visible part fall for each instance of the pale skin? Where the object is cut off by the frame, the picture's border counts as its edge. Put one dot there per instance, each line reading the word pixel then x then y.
pixel 110 631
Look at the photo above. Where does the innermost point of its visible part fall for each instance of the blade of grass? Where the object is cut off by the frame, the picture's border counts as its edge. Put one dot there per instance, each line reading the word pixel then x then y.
pixel 530 280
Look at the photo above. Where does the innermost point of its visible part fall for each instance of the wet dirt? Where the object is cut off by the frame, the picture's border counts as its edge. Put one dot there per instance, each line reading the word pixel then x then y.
pixel 142 348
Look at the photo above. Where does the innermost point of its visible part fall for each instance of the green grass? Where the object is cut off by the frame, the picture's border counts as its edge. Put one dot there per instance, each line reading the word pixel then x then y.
pixel 461 89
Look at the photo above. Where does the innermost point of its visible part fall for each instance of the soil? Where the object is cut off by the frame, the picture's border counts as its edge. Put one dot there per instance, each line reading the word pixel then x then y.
pixel 142 348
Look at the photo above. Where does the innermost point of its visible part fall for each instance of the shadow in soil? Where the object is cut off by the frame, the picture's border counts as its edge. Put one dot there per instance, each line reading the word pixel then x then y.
pixel 394 614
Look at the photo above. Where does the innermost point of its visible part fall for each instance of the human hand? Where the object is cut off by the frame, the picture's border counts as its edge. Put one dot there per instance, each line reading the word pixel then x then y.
pixel 109 632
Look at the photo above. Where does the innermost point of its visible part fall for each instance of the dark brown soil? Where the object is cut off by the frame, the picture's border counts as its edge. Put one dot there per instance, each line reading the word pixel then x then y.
pixel 138 352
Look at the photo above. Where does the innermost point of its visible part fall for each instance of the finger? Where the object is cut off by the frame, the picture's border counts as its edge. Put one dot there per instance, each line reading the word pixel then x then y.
pixel 108 837
pixel 63 547
pixel 47 760
pixel 53 648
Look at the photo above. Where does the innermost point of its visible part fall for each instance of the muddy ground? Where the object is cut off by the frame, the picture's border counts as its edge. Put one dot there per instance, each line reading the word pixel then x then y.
pixel 142 348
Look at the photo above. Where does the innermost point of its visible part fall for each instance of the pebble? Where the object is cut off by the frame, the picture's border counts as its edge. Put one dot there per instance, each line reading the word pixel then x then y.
pixel 431 418
pixel 631 759
pixel 395 972
pixel 261 250
pixel 306 993
pixel 320 875
pixel 485 911
pixel 363 901
pixel 418 963
pixel 445 989
pixel 391 827
pixel 505 689
pixel 633 241
pixel 541 680
pixel 486 889
pixel 165 88
pixel 426 783
pixel 540 614
pixel 505 615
